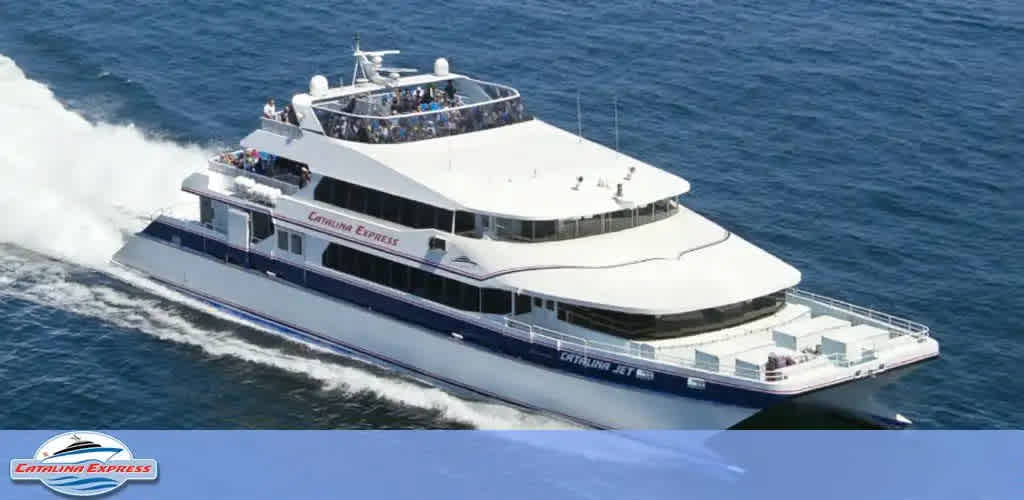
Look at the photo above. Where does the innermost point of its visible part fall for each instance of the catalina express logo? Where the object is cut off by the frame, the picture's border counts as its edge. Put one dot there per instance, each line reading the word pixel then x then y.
pixel 83 464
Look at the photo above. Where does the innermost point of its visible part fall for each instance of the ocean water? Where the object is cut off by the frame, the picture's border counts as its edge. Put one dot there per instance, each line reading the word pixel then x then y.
pixel 876 145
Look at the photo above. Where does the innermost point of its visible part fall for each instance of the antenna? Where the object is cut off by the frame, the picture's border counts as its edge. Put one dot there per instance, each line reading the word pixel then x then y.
pixel 355 50
pixel 449 141
pixel 616 105
pixel 579 116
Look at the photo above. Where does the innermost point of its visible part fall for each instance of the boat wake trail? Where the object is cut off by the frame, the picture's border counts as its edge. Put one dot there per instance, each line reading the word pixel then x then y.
pixel 72 190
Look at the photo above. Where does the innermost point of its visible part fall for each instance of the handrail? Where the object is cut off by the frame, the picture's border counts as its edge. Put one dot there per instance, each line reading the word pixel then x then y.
pixel 419 113
pixel 231 170
pixel 515 94
pixel 280 128
pixel 906 325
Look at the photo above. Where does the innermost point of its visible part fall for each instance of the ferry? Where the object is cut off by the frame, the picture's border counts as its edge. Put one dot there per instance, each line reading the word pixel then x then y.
pixel 429 222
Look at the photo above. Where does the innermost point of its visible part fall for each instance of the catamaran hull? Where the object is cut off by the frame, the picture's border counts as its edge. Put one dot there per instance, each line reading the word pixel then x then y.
pixel 293 311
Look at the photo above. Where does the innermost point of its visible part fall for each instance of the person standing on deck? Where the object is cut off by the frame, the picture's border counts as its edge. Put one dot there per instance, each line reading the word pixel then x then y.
pixel 269 111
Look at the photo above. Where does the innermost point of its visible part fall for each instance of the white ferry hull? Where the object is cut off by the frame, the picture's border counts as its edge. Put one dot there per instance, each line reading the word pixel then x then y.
pixel 297 312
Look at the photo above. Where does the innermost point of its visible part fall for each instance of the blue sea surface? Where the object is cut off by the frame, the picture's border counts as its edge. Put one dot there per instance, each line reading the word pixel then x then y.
pixel 875 145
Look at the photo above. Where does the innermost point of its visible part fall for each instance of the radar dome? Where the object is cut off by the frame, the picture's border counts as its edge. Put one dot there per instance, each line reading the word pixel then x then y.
pixel 318 86
pixel 441 67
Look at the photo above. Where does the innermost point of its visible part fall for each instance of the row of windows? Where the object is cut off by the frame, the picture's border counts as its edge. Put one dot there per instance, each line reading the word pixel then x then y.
pixel 579 227
pixel 389 207
pixel 419 215
pixel 649 327
pixel 418 282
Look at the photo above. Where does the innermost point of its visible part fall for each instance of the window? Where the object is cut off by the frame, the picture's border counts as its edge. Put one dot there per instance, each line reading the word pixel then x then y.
pixel 522 304
pixel 289 241
pixel 444 220
pixel 388 206
pixel 496 301
pixel 373 202
pixel 262 226
pixel 357 199
pixel 647 327
pixel 509 229
pixel 470 298
pixel 206 211
pixel 424 215
pixel 464 222
pixel 398 276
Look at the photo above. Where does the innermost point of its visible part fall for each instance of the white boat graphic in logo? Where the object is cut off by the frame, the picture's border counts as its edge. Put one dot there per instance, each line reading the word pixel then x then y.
pixel 83 464
pixel 81 451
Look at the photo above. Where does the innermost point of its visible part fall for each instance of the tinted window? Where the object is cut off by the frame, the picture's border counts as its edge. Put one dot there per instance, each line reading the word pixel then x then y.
pixel 522 304
pixel 470 298
pixel 399 276
pixel 645 326
pixel 206 211
pixel 387 206
pixel 464 222
pixel 262 226
pixel 496 301
pixel 425 215
pixel 390 208
pixel 357 199
pixel 373 202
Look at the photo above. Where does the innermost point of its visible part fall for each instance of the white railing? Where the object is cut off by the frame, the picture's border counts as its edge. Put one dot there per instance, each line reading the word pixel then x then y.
pixel 897 324
pixel 230 170
pixel 280 128
pixel 804 361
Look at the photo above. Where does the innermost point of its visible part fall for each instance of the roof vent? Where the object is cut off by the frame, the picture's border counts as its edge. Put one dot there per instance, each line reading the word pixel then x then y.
pixel 618 190
pixel 579 182
pixel 318 86
pixel 630 174
pixel 441 67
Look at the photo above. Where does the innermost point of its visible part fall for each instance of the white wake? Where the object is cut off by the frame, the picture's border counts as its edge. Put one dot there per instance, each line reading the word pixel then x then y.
pixel 71 190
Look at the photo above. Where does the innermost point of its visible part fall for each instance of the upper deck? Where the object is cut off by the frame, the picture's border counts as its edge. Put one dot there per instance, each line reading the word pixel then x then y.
pixel 413 112
pixel 381 106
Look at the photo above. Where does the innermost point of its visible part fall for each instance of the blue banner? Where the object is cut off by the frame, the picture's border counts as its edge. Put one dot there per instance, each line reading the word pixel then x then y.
pixel 457 465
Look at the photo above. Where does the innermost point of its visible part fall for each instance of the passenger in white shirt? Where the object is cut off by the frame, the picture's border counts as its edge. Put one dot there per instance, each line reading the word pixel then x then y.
pixel 269 111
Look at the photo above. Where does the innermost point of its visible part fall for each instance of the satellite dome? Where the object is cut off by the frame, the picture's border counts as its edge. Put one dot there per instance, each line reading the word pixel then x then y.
pixel 441 67
pixel 318 86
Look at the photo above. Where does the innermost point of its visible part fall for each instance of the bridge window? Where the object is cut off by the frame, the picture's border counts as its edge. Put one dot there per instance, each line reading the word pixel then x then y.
pixel 553 230
pixel 382 205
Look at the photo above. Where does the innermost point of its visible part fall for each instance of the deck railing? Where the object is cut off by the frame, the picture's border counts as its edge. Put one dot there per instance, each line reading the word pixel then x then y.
pixel 895 323
pixel 286 187
pixel 280 128
pixel 545 336
pixel 394 129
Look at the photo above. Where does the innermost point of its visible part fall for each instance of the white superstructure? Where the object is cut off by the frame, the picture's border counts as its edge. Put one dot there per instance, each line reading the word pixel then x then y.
pixel 511 258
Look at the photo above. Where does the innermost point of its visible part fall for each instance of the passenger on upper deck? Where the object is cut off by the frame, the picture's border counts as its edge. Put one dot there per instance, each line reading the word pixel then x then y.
pixel 269 111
